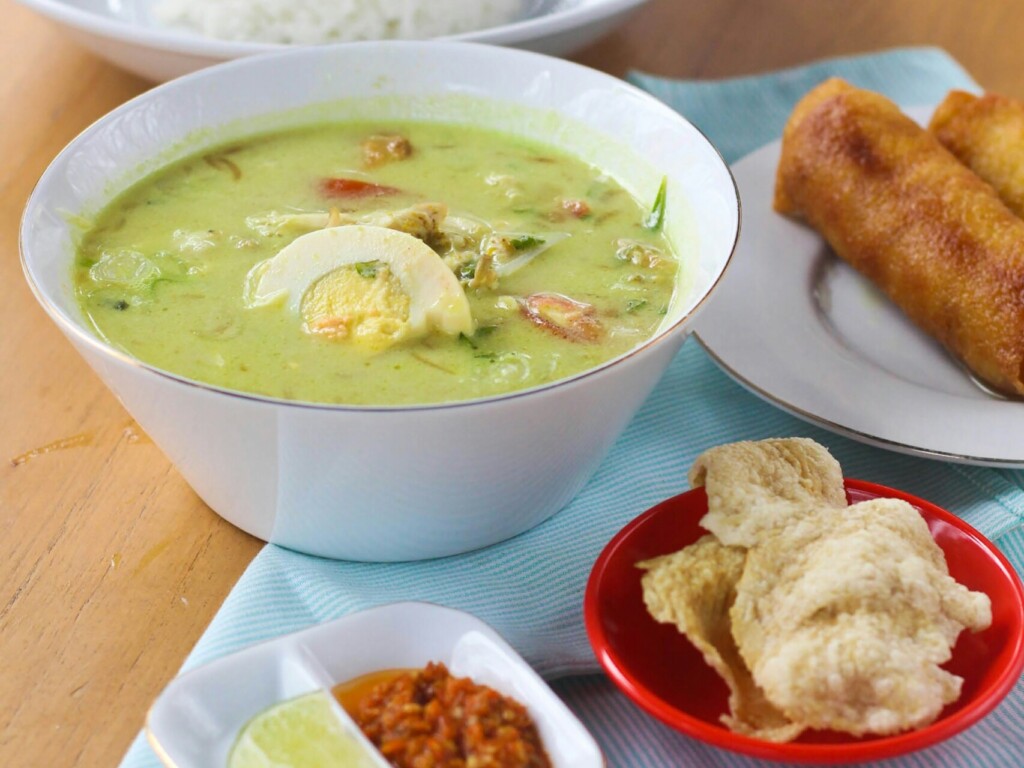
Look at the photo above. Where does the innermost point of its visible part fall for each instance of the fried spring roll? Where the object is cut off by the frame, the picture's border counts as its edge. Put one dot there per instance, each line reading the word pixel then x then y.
pixel 987 135
pixel 898 207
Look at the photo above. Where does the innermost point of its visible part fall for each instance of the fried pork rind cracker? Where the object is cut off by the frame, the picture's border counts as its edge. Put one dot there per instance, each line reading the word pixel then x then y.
pixel 845 617
pixel 694 590
pixel 753 486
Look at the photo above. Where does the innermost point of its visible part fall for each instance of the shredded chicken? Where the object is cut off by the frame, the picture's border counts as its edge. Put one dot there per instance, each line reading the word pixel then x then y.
pixel 477 256
pixel 378 150
pixel 500 249
pixel 421 221
pixel 484 276
pixel 641 254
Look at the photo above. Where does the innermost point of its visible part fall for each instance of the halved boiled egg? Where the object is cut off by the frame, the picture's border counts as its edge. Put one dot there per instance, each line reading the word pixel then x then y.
pixel 372 285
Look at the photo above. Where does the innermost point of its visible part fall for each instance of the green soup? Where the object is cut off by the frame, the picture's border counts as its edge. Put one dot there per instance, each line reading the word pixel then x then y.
pixel 561 267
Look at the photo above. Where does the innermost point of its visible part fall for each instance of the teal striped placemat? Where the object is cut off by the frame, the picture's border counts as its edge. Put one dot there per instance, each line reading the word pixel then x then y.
pixel 531 588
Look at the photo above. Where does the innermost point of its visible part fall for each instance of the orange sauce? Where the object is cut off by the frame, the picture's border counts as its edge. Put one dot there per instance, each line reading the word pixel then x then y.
pixel 351 692
pixel 427 716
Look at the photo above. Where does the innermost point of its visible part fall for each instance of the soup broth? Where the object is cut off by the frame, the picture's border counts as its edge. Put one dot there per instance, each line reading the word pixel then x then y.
pixel 561 268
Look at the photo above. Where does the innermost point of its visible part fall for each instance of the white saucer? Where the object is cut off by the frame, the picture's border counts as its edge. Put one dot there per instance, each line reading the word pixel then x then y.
pixel 798 327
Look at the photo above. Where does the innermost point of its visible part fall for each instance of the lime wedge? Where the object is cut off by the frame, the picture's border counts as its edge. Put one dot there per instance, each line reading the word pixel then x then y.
pixel 305 732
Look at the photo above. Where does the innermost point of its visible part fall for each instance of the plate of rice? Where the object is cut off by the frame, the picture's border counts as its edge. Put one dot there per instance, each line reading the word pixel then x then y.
pixel 161 39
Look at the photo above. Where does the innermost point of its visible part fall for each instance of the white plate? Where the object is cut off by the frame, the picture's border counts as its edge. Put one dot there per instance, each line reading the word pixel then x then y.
pixel 800 328
pixel 126 33
pixel 194 722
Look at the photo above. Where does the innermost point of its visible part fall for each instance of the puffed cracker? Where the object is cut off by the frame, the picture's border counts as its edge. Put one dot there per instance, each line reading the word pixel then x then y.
pixel 845 617
pixel 755 486
pixel 694 590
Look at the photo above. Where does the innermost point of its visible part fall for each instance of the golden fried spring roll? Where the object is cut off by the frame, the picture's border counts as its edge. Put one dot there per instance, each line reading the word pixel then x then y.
pixel 987 135
pixel 896 205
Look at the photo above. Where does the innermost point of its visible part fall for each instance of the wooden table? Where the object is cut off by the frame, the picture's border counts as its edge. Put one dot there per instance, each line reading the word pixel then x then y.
pixel 110 567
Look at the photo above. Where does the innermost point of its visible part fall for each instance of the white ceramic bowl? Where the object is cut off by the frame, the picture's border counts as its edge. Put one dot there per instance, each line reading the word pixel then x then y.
pixel 396 483
pixel 126 33
pixel 194 722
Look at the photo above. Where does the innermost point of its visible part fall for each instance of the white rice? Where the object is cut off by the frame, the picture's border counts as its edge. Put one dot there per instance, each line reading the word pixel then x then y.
pixel 309 22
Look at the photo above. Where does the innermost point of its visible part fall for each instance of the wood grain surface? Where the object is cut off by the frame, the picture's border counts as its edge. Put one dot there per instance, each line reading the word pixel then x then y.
pixel 110 566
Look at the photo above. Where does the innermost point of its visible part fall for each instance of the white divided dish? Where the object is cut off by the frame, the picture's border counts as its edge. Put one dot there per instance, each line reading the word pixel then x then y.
pixel 194 722
pixel 127 33
pixel 802 329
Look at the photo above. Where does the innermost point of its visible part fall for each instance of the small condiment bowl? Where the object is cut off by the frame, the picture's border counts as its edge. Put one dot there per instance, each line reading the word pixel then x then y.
pixel 390 482
pixel 658 668
pixel 194 722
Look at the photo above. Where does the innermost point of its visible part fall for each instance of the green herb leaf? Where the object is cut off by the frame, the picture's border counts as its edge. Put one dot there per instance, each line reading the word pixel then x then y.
pixel 367 269
pixel 526 242
pixel 492 356
pixel 467 271
pixel 482 332
pixel 663 311
pixel 656 217
pixel 635 304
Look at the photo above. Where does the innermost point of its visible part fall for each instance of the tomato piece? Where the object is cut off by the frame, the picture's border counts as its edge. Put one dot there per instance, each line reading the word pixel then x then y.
pixel 562 316
pixel 352 188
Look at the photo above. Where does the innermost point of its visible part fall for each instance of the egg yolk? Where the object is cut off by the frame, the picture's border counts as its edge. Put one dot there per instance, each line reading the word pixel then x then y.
pixel 348 304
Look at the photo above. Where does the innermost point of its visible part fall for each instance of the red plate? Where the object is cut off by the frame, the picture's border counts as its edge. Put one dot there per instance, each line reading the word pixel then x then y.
pixel 657 667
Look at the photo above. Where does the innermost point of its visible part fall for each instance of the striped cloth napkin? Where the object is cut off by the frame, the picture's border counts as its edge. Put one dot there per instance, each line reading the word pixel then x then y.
pixel 531 588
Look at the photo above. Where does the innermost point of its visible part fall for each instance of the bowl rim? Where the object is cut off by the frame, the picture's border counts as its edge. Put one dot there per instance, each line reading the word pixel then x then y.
pixel 882 747
pixel 76 330
pixel 172 39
